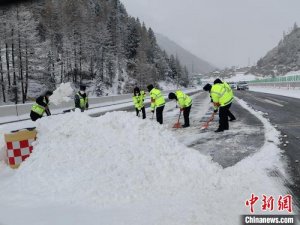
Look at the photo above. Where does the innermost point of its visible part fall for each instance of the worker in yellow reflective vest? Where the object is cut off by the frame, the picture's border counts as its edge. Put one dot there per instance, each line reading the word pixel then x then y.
pixel 41 106
pixel 81 99
pixel 222 97
pixel 218 81
pixel 185 103
pixel 157 102
pixel 207 87
pixel 138 101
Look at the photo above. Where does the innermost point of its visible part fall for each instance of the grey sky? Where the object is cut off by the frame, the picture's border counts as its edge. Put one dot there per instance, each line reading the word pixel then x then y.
pixel 223 32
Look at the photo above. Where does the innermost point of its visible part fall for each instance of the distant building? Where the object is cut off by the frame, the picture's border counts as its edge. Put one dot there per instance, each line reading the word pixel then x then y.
pixel 197 79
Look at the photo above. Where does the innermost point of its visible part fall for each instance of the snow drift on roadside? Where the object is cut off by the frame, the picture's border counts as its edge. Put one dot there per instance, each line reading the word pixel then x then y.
pixel 283 91
pixel 61 94
pixel 118 162
pixel 241 77
pixel 167 85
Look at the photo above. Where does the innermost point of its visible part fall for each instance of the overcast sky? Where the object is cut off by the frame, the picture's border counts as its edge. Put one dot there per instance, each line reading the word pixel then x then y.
pixel 222 32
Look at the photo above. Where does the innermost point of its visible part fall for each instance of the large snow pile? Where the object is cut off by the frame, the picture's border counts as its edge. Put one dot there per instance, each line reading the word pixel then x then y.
pixel 124 170
pixel 166 86
pixel 292 73
pixel 241 77
pixel 61 94
pixel 283 91
pixel 235 78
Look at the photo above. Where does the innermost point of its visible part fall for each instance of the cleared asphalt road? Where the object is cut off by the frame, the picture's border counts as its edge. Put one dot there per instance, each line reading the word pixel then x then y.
pixel 245 137
pixel 285 113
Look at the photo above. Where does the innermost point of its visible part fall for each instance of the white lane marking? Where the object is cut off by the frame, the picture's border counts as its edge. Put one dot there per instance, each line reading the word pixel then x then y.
pixel 277 100
pixel 272 102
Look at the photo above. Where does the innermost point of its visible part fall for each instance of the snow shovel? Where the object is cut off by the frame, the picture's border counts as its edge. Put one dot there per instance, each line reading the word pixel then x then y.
pixel 69 110
pixel 178 125
pixel 27 128
pixel 205 126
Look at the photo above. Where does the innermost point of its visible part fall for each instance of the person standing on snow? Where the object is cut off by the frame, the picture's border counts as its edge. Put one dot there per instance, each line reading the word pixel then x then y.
pixel 218 81
pixel 207 87
pixel 185 104
pixel 222 97
pixel 81 99
pixel 41 106
pixel 157 102
pixel 138 100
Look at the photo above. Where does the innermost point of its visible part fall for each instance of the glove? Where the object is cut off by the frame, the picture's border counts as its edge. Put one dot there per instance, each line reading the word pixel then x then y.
pixel 181 109
pixel 216 110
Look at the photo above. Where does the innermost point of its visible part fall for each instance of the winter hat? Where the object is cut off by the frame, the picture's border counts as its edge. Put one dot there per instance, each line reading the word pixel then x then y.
pixel 218 81
pixel 82 87
pixel 136 90
pixel 150 87
pixel 172 96
pixel 49 93
pixel 207 87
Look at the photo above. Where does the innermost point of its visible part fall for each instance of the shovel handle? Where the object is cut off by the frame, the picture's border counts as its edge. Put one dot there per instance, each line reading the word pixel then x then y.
pixel 205 126
pixel 179 116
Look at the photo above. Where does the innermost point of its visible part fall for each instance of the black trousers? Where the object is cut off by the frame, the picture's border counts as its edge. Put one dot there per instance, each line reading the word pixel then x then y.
pixel 143 112
pixel 186 115
pixel 159 114
pixel 230 115
pixel 34 116
pixel 224 114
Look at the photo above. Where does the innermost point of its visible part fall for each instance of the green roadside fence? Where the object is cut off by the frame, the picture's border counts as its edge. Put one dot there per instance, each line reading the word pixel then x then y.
pixel 292 78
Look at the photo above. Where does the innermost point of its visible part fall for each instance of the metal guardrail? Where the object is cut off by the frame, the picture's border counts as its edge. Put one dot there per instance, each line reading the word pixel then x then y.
pixel 23 109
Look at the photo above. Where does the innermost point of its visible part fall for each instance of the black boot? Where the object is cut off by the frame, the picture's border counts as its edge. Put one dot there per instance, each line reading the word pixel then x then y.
pixel 184 126
pixel 219 130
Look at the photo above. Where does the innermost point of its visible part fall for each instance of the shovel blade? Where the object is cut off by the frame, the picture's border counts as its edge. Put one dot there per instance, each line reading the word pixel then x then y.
pixel 177 125
pixel 205 126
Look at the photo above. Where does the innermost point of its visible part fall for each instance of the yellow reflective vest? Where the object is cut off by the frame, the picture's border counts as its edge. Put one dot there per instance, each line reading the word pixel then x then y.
pixel 39 109
pixel 221 94
pixel 228 86
pixel 138 100
pixel 183 99
pixel 157 99
pixel 82 101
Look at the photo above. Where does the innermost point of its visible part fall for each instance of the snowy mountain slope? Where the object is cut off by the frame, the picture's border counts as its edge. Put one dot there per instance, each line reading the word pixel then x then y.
pixel 193 63
pixel 283 58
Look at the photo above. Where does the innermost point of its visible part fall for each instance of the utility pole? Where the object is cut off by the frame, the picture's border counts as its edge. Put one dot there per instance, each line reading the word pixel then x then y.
pixel 192 68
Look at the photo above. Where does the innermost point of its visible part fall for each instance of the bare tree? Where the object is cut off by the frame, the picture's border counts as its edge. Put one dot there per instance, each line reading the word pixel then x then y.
pixel 2 77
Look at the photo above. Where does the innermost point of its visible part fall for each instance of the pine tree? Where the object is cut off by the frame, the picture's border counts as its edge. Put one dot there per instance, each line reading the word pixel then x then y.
pixel 93 42
pixel 2 77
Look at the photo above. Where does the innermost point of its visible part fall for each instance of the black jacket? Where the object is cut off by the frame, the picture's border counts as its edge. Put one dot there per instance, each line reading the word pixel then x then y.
pixel 40 101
